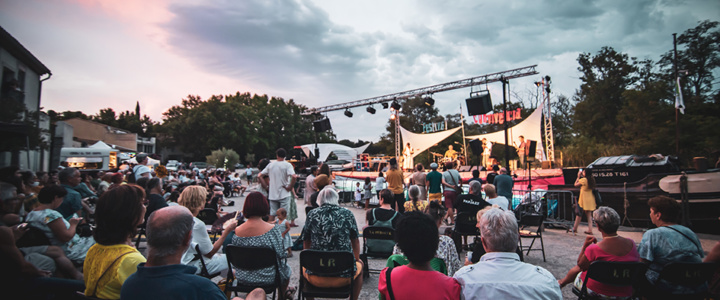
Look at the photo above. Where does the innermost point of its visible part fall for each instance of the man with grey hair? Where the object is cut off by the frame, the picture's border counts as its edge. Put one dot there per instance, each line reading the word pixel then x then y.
pixel 73 202
pixel 169 233
pixel 470 203
pixel 500 274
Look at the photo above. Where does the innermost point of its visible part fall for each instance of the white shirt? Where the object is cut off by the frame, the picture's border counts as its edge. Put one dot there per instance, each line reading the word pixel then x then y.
pixel 280 173
pixel 500 201
pixel 379 183
pixel 139 170
pixel 199 237
pixel 501 275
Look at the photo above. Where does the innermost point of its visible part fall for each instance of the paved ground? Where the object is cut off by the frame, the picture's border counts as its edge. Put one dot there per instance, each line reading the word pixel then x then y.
pixel 561 248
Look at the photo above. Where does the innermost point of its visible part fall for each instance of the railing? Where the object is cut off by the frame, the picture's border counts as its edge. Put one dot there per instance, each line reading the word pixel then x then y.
pixel 557 204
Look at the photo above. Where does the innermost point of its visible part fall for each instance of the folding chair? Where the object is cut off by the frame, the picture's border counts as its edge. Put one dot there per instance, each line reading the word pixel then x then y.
pixel 252 259
pixel 694 276
pixel 328 264
pixel 619 274
pixel 534 220
pixel 384 234
pixel 140 232
pixel 465 225
pixel 203 270
pixel 209 216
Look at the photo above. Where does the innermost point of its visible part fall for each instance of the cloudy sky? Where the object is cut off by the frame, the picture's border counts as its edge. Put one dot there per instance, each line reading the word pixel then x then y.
pixel 322 52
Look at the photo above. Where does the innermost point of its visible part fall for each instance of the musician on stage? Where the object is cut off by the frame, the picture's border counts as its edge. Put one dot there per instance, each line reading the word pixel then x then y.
pixel 407 157
pixel 450 153
pixel 487 149
pixel 522 150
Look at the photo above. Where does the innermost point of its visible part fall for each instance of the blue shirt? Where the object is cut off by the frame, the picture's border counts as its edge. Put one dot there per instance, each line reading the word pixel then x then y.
pixel 71 204
pixel 169 282
pixel 504 185
pixel 663 245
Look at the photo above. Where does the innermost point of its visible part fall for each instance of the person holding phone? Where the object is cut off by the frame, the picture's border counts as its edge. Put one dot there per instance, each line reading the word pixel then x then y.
pixel 586 200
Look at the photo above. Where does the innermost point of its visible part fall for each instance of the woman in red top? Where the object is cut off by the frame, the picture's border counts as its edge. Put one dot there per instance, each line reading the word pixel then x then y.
pixel 417 237
pixel 611 248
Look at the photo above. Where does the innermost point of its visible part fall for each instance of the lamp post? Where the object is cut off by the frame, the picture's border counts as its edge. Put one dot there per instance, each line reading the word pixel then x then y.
pixel 505 123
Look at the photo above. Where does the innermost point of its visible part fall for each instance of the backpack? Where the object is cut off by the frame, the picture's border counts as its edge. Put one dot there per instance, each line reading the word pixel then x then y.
pixel 383 246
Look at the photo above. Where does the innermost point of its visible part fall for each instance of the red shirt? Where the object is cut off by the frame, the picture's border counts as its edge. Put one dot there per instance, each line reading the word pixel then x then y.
pixel 593 253
pixel 408 283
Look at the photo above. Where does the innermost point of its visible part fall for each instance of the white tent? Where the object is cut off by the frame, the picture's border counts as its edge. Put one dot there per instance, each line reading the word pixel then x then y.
pixel 530 128
pixel 420 142
pixel 100 145
pixel 341 151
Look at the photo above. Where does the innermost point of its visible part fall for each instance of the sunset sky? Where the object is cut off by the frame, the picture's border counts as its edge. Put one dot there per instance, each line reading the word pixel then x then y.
pixel 321 52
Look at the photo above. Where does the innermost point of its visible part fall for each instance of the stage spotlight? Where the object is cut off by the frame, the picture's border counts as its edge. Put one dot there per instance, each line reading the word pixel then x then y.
pixel 385 105
pixel 371 110
pixel 392 117
pixel 429 101
pixel 395 105
pixel 348 113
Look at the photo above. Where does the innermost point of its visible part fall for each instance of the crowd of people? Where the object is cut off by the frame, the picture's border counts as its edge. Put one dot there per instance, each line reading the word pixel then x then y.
pixel 68 221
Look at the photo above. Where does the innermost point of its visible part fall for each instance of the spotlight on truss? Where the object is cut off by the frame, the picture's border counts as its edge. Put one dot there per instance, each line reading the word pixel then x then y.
pixel 348 113
pixel 371 110
pixel 385 105
pixel 429 101
pixel 395 105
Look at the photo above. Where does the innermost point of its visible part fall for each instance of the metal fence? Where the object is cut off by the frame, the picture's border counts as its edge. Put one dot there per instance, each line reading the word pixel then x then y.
pixel 558 205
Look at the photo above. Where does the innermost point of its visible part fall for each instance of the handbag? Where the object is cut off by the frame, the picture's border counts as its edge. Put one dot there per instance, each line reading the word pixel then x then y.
pixel 598 198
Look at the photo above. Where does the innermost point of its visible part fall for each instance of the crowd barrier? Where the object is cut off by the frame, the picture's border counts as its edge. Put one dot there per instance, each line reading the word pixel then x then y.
pixel 555 203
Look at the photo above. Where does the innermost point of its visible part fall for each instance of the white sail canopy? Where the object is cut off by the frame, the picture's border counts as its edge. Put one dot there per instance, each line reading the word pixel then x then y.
pixel 421 142
pixel 341 151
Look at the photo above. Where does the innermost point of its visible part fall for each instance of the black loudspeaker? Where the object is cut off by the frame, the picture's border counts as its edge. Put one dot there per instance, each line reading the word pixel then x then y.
pixel 533 149
pixel 476 146
pixel 322 125
pixel 479 104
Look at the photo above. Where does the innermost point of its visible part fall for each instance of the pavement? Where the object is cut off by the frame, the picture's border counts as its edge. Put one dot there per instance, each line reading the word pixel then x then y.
pixel 561 248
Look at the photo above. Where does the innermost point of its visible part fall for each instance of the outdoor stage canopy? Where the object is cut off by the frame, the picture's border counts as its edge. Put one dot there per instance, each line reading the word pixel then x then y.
pixel 341 151
pixel 421 142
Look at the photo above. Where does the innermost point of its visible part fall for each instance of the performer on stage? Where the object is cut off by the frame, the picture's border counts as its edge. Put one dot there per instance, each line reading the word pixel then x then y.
pixel 407 157
pixel 523 150
pixel 450 153
pixel 487 148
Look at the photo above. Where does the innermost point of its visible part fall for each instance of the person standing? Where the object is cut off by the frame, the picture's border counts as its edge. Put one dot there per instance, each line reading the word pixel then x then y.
pixel 522 150
pixel 418 178
pixel 141 169
pixel 407 157
pixel 504 184
pixel 487 150
pixel 586 200
pixel 433 181
pixel 310 187
pixel 396 184
pixel 379 183
pixel 452 187
pixel 367 190
pixel 281 180
pixel 248 174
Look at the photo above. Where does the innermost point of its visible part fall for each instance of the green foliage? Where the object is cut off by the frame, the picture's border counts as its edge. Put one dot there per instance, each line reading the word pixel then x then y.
pixel 223 158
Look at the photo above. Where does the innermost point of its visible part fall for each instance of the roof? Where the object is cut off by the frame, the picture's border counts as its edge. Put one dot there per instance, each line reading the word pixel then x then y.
pixel 630 161
pixel 11 45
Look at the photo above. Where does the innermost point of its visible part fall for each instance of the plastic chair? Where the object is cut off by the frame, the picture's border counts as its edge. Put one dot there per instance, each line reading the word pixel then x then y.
pixel 375 233
pixel 694 276
pixel 328 264
pixel 619 274
pixel 465 226
pixel 534 220
pixel 251 259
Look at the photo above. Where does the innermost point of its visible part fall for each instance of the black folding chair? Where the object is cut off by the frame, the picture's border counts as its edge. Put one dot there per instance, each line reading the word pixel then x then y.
pixel 203 270
pixel 140 232
pixel 694 276
pixel 532 220
pixel 252 259
pixel 377 234
pixel 327 264
pixel 465 225
pixel 209 216
pixel 619 274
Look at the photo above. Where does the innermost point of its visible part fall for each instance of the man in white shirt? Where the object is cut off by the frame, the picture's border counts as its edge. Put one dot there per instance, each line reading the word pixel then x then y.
pixel 141 169
pixel 310 187
pixel 493 198
pixel 500 274
pixel 281 180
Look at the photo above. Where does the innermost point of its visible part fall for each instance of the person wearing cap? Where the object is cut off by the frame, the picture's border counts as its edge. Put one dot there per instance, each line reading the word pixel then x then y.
pixel 433 181
pixel 141 169
pixel 396 184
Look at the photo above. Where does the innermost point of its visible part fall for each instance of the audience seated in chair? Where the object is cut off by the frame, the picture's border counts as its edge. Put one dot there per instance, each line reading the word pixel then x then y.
pixel 257 233
pixel 669 242
pixel 112 260
pixel 612 247
pixel 500 274
pixel 59 231
pixel 193 198
pixel 417 237
pixel 415 203
pixel 170 233
pixel 332 228
pixel 493 198
pixel 446 249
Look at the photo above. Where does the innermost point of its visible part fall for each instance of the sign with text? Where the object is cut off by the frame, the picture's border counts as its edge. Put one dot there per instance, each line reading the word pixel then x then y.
pixel 497 118
pixel 432 127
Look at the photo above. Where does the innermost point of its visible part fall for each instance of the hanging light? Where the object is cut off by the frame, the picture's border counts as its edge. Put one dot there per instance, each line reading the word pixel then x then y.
pixel 429 101
pixel 348 113
pixel 395 105
pixel 385 105
pixel 371 110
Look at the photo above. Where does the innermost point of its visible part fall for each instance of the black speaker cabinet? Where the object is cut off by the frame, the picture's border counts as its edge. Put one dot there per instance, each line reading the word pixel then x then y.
pixel 479 104
pixel 476 146
pixel 322 125
pixel 533 149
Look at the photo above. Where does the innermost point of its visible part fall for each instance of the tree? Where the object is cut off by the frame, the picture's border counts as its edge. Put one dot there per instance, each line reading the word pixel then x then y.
pixel 223 158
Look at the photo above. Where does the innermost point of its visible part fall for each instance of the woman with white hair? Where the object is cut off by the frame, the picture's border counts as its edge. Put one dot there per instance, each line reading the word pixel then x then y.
pixel 612 247
pixel 332 228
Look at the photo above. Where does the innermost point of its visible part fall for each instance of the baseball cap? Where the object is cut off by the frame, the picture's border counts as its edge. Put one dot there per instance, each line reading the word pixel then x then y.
pixel 433 165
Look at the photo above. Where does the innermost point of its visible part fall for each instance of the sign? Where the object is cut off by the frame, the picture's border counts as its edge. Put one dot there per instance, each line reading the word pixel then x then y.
pixel 497 118
pixel 432 127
